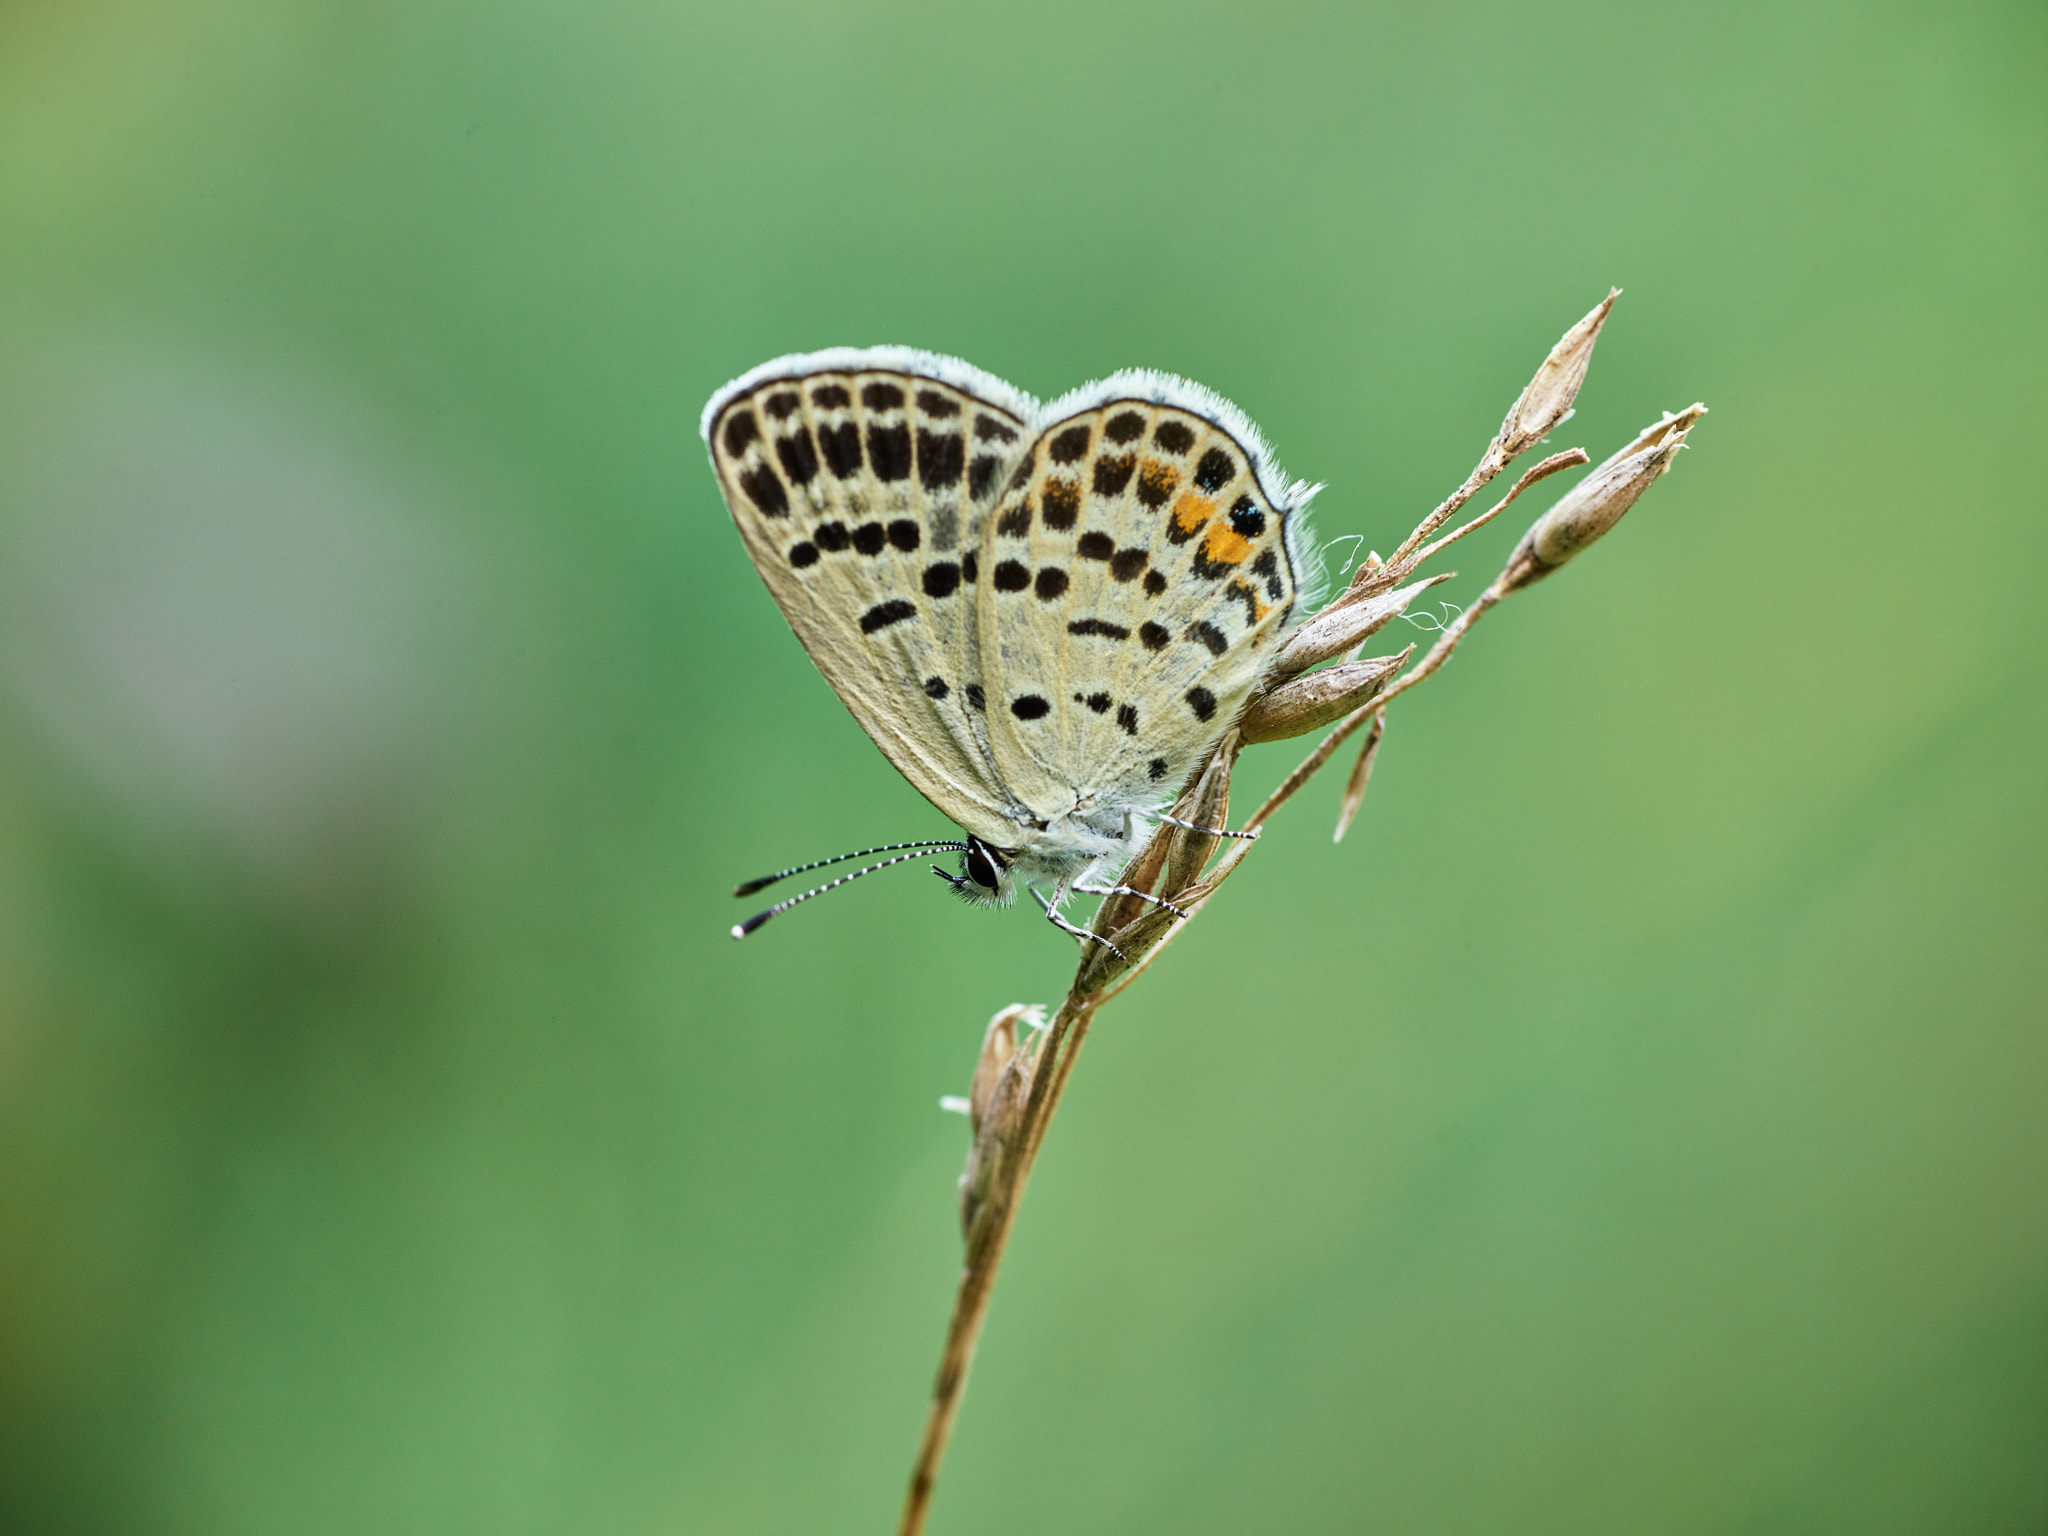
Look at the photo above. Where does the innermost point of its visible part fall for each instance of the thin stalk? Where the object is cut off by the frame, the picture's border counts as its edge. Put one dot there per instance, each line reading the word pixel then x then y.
pixel 1143 937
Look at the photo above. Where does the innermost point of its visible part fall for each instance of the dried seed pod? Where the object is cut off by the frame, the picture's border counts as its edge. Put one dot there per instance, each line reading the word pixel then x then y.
pixel 1593 506
pixel 995 1103
pixel 1547 401
pixel 1305 703
pixel 1343 625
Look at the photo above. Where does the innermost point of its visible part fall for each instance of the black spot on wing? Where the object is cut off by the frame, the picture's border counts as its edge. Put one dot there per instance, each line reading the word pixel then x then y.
pixel 831 397
pixel 1202 702
pixel 1202 632
pixel 765 491
pixel 1268 566
pixel 1069 446
pixel 935 688
pixel 1012 576
pixel 1124 427
pixel 1101 627
pixel 1127 717
pixel 1246 520
pixel 970 568
pixel 781 404
pixel 941 579
pixel 941 456
pixel 1030 707
pixel 803 554
pixel 988 429
pixel 1156 769
pixel 889 447
pixel 1051 583
pixel 1016 522
pixel 841 447
pixel 879 396
pixel 799 456
pixel 1215 470
pixel 832 537
pixel 1112 474
pixel 869 538
pixel 1128 564
pixel 1095 546
pixel 905 534
pixel 1099 702
pixel 1155 636
pixel 1174 436
pixel 882 615
pixel 1060 504
pixel 740 430
pixel 1154 583
pixel 976 697
pixel 981 475
pixel 932 403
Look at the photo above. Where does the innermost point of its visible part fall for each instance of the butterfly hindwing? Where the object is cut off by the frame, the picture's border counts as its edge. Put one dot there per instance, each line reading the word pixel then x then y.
pixel 1136 574
pixel 861 483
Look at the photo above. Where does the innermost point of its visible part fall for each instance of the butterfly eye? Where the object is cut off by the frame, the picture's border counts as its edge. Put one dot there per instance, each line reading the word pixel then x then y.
pixel 982 865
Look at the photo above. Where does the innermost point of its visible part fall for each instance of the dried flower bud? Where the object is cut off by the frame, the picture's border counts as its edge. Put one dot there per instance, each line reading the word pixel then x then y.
pixel 1304 703
pixel 1593 506
pixel 1344 625
pixel 995 1103
pixel 1547 401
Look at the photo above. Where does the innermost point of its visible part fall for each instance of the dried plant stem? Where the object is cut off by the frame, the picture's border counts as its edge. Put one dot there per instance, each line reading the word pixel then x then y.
pixel 1170 866
pixel 985 1244
pixel 1490 464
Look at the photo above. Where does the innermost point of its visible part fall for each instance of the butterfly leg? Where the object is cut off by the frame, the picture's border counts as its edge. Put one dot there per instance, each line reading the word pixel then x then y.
pixel 1052 915
pixel 1125 890
pixel 1174 821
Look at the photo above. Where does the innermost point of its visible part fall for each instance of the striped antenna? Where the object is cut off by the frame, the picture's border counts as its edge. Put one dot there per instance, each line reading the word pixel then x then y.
pixel 783 874
pixel 741 930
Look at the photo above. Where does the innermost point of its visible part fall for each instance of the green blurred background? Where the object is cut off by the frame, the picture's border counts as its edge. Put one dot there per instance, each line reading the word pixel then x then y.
pixel 1637 1125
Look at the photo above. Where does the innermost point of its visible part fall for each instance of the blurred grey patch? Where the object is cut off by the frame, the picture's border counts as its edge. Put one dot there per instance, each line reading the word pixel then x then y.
pixel 226 609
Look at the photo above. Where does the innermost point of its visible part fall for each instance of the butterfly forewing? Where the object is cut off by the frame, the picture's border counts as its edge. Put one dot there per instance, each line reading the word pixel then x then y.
pixel 862 484
pixel 1135 577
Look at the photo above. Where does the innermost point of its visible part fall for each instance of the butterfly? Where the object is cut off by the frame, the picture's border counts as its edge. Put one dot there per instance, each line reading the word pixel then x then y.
pixel 1045 615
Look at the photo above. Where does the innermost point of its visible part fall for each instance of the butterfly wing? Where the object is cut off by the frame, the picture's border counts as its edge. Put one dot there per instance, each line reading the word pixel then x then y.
pixel 861 482
pixel 1138 570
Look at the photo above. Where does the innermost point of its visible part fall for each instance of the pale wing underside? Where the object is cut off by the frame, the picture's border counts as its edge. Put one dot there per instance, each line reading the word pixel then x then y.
pixel 862 483
pixel 1135 577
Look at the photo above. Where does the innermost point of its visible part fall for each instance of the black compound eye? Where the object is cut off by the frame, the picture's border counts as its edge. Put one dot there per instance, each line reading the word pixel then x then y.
pixel 981 869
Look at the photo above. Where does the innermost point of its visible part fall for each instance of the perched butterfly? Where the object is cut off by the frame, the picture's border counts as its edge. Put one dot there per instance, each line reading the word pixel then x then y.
pixel 1044 615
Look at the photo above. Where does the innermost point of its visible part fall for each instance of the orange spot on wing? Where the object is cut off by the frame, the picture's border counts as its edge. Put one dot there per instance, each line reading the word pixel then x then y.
pixel 1225 546
pixel 1191 511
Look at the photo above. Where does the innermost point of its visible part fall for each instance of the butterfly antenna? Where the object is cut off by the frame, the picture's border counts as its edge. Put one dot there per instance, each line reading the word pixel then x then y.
pixel 783 874
pixel 741 930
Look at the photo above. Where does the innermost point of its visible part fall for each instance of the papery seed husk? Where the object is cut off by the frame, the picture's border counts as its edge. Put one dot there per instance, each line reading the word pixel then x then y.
pixel 1590 509
pixel 1545 404
pixel 998 1049
pixel 1343 625
pixel 1306 703
pixel 1207 806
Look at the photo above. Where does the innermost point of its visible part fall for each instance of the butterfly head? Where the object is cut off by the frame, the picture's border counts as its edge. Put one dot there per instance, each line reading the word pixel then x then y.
pixel 984 878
